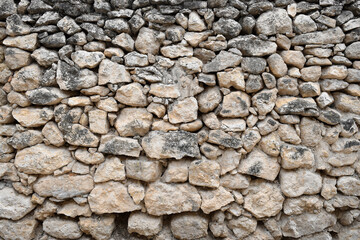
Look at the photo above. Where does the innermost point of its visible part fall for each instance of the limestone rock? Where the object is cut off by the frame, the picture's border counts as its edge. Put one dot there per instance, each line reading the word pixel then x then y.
pixel 209 99
pixel 99 227
pixel 111 72
pixel 304 24
pixel 68 25
pixel 272 22
pixel 204 173
pixel 227 27
pixel 27 78
pixel 235 104
pixel 310 132
pixel 46 96
pixel 131 94
pixel 296 206
pixel 298 106
pixel 86 59
pixel 79 135
pixel 62 228
pixel 296 156
pixel 98 121
pixel 263 199
pixel 242 226
pixel 21 140
pixel 72 209
pixel 307 223
pixel 148 41
pixel 23 229
pixel 133 121
pixel 183 111
pixel 195 24
pixel 111 197
pixel 119 146
pixel 175 51
pixel 222 61
pixel 45 57
pixel 235 181
pixel 143 169
pixel 265 100
pixel 144 224
pixel 27 42
pixel 13 205
pixel 259 164
pixel 64 186
pixel 299 182
pixel 162 198
pixel 352 51
pixel 86 157
pixel 333 35
pixel 111 169
pixel 213 200
pixel 233 78
pixel 349 185
pixel 250 45
pixel 189 226
pixel 32 117
pixel 277 65
pixel 175 144
pixel 42 159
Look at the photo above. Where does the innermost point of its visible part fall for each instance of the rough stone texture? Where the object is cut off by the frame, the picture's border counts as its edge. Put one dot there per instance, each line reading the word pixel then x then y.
pixel 174 119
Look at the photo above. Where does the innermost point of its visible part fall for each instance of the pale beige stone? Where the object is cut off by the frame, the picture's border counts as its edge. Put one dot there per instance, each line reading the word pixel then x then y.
pixel 143 169
pixel 111 169
pixel 235 104
pixel 293 156
pixel 86 59
pixel 132 94
pixel 164 90
pixel 296 206
pixel 164 126
pixel 86 157
pixel 263 199
pixel 53 134
pixel 144 224
pixel 162 198
pixel 27 78
pixel 148 41
pixel 111 72
pixel 265 100
pixel 111 197
pixel 242 226
pixel 213 200
pixel 136 190
pixel 175 51
pixel 310 132
pixel 62 228
pixel 299 182
pixel 349 185
pixel 99 227
pixel 312 73
pixel 294 58
pixel 26 42
pixel 191 64
pixel 108 105
pixel 204 173
pixel 209 99
pixel 79 135
pixel 189 226
pixel 13 205
pixel 133 121
pixel 72 209
pixel 235 181
pixel 233 78
pixel 32 116
pixel 334 72
pixel 98 121
pixel 229 160
pixel 24 229
pixel 183 111
pixel 16 58
pixel 42 159
pixel 259 164
pixel 277 65
pixel 288 134
pixel 64 186
pixel 176 171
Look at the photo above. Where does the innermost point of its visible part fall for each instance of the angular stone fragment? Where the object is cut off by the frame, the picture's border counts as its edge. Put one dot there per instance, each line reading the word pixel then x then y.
pixel 79 135
pixel 235 104
pixel 72 78
pixel 224 139
pixel 32 117
pixel 296 206
pixel 347 103
pixel 307 223
pixel 111 169
pixel 8 8
pixel 29 138
pixel 115 145
pixel 175 51
pixel 148 41
pixel 296 156
pixel 333 35
pixel 259 164
pixel 233 78
pixel 204 173
pixel 272 22
pixel 72 209
pixel 16 58
pixel 42 159
pixel 349 185
pixel 56 40
pixel 64 186
pixel 176 171
pixel 165 90
pixel 297 106
pixel 62 228
pixel 235 181
pixel 263 199
pixel 111 197
pixel 299 182
pixel 53 134
pixel 162 198
pixel 23 229
pixel 111 72
pixel 13 205
pixel 227 27
pixel 209 99
pixel 133 121
pixel 265 100
pixel 98 121
pixel 213 200
pixel 46 96
pixel 132 94
pixel 68 25
pixel 99 227
pixel 27 42
pixel 250 45
pixel 222 61
pixel 195 24
pixel 144 224
pixel 86 157
pixel 304 24
pixel 27 78
pixel 177 144
pixel 135 59
pixel 143 169
pixel 86 59
pixel 189 226
pixel 243 226
pixel 183 111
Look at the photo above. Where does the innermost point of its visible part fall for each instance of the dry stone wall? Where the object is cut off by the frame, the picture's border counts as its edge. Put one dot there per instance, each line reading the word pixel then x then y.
pixel 176 119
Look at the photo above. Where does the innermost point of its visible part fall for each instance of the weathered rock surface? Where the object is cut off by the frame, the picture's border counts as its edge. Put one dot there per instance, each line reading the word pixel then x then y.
pixel 13 205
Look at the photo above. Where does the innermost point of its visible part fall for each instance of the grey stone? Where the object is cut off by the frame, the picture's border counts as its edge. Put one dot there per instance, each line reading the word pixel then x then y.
pixel 13 205
pixel 119 146
pixel 189 226
pixel 46 96
pixel 254 65
pixel 298 106
pixel 56 40
pixel 272 22
pixel 250 45
pixel 227 27
pixel 8 8
pixel 334 35
pixel 352 51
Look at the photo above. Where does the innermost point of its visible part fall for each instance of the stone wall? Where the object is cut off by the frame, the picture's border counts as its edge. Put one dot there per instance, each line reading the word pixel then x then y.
pixel 175 119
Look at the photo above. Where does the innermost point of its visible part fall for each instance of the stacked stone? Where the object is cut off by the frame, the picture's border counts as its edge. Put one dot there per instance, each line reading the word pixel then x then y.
pixel 176 119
